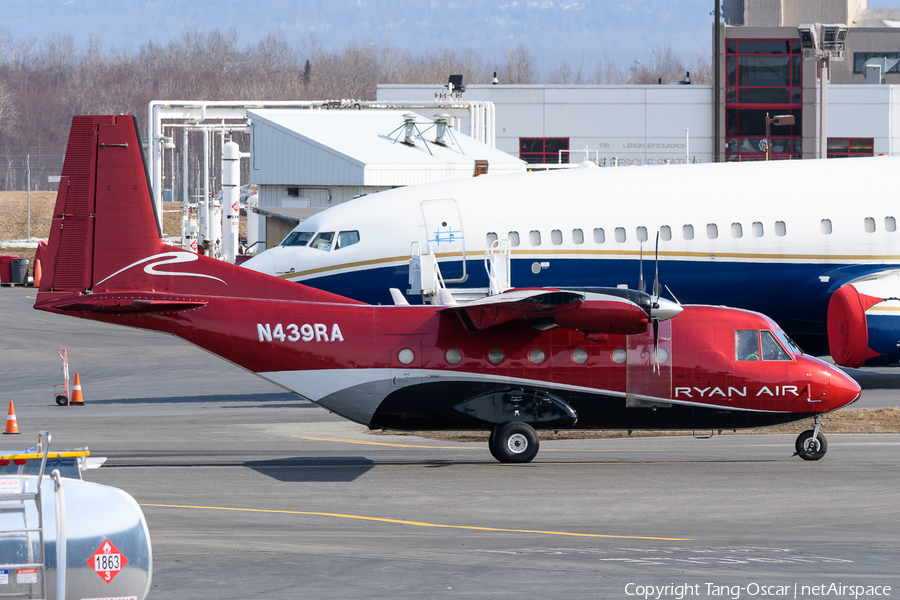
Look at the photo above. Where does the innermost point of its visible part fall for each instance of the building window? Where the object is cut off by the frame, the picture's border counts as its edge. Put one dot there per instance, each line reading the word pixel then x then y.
pixel 845 147
pixel 860 58
pixel 543 150
pixel 763 77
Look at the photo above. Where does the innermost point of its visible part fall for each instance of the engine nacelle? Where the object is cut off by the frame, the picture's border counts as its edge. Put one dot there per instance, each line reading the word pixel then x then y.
pixel 864 322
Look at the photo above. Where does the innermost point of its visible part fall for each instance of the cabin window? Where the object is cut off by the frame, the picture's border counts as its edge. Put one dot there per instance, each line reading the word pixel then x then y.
pixel 825 224
pixel 535 237
pixel 890 224
pixel 578 236
pixel 298 238
pixel 495 356
pixel 870 225
pixel 688 232
pixel 536 356
pixel 665 233
pixel 712 231
pixel 513 238
pixel 619 356
pixel 406 356
pixel 323 241
pixel 579 356
pixel 736 230
pixel 491 238
pixel 620 234
pixel 746 344
pixel 757 229
pixel 641 234
pixel 453 356
pixel 771 349
pixel 556 237
pixel 599 235
pixel 347 238
pixel 780 228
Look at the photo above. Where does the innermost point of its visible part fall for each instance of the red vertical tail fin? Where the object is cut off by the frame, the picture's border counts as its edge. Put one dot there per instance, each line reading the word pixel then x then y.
pixel 105 238
pixel 104 213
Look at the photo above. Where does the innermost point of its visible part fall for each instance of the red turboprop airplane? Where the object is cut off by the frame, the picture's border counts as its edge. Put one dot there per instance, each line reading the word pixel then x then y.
pixel 510 364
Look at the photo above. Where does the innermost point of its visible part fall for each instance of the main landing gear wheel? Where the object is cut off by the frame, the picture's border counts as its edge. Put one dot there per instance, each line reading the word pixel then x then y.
pixel 514 443
pixel 809 448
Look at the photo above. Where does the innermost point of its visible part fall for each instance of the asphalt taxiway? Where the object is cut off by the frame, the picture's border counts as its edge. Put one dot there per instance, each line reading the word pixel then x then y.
pixel 252 492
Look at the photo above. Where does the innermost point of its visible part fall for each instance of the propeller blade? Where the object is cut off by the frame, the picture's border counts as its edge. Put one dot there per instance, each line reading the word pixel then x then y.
pixel 656 368
pixel 641 285
pixel 656 288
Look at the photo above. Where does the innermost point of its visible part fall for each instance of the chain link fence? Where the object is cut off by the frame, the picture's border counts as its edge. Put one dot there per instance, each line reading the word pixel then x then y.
pixel 45 164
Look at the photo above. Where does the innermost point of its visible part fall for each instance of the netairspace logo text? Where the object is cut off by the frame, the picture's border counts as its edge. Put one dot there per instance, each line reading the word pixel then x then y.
pixel 754 590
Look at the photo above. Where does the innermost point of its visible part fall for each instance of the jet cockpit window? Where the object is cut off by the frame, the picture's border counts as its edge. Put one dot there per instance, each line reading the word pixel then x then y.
pixel 323 241
pixel 298 238
pixel 746 344
pixel 347 238
pixel 771 349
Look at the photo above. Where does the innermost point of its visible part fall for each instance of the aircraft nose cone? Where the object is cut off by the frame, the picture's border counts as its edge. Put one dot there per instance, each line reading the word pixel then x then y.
pixel 844 389
pixel 666 309
pixel 262 263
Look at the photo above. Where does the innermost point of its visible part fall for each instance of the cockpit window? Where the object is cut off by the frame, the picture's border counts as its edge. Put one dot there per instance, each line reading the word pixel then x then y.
pixel 787 342
pixel 746 344
pixel 771 349
pixel 323 241
pixel 347 238
pixel 298 238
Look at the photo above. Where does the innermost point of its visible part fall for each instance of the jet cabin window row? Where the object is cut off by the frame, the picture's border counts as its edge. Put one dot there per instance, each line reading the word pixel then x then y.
pixel 757 229
pixel 620 235
pixel 323 241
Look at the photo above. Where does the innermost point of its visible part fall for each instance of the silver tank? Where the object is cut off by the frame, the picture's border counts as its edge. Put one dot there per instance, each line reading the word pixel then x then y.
pixel 106 552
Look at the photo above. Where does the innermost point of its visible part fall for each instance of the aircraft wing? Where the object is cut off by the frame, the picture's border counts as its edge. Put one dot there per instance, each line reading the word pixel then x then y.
pixel 547 308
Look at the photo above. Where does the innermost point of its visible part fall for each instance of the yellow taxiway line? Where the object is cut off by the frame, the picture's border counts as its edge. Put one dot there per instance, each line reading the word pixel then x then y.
pixel 422 524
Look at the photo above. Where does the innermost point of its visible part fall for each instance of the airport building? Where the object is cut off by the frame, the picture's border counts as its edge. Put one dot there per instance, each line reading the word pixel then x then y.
pixel 768 61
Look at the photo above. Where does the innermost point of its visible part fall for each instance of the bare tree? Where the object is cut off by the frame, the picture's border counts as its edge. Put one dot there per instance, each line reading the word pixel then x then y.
pixel 519 66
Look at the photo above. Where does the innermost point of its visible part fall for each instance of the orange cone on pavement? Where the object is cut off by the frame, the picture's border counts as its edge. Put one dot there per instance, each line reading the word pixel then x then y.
pixel 77 398
pixel 12 426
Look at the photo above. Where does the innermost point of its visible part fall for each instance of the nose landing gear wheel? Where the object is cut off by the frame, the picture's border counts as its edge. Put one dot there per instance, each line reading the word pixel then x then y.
pixel 809 448
pixel 514 443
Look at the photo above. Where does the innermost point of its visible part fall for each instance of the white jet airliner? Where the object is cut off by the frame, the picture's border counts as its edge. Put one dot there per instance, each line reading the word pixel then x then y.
pixel 812 243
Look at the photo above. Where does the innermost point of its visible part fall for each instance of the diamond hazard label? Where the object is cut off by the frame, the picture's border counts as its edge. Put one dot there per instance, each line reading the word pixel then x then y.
pixel 107 561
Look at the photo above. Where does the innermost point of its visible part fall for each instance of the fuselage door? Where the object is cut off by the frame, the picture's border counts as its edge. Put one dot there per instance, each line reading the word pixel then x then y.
pixel 444 231
pixel 649 375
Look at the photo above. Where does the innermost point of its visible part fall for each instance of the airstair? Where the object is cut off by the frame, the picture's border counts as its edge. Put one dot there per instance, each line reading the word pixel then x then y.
pixel 425 277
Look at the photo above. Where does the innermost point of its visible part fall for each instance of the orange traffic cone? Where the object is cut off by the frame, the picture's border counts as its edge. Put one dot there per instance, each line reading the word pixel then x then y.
pixel 77 398
pixel 12 426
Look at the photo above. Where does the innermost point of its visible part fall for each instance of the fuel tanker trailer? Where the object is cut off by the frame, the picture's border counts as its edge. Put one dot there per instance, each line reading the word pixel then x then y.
pixel 63 537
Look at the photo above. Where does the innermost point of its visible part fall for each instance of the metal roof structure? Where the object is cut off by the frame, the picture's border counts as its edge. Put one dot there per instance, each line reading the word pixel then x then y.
pixel 361 148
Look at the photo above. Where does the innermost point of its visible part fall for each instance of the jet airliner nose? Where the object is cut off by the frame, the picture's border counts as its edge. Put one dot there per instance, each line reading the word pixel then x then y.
pixel 844 389
pixel 263 263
